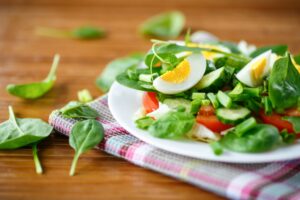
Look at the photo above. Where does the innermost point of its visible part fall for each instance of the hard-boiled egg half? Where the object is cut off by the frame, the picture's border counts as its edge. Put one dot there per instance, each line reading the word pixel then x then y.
pixel 184 76
pixel 253 73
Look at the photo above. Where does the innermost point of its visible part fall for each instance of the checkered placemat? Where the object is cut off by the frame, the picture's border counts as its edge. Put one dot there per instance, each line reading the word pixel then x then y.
pixel 280 180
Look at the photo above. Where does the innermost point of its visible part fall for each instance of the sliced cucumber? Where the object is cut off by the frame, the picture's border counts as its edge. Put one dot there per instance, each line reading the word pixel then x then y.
pixel 178 102
pixel 212 81
pixel 232 115
pixel 224 99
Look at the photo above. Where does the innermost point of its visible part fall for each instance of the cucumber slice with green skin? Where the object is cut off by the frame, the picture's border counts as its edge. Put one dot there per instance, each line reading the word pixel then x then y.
pixel 232 115
pixel 213 81
pixel 179 102
pixel 224 99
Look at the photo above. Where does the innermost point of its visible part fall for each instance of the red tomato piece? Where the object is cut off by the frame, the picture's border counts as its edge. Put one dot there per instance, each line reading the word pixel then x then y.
pixel 275 120
pixel 150 102
pixel 207 117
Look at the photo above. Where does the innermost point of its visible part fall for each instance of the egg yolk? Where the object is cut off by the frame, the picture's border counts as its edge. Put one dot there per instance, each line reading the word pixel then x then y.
pixel 258 68
pixel 178 74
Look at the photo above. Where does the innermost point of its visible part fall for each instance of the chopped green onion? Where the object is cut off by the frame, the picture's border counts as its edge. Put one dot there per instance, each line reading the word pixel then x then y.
pixel 252 92
pixel 245 126
pixel 198 95
pixel 84 96
pixel 213 100
pixel 267 105
pixel 216 147
pixel 224 99
pixel 144 122
pixel 205 102
pixel 237 90
pixel 195 106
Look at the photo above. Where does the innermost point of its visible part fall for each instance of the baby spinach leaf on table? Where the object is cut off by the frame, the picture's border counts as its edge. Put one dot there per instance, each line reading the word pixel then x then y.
pixel 77 110
pixel 37 89
pixel 116 67
pixel 284 84
pixel 83 33
pixel 172 125
pixel 84 136
pixel 278 49
pixel 295 121
pixel 16 133
pixel 87 32
pixel 166 25
pixel 261 138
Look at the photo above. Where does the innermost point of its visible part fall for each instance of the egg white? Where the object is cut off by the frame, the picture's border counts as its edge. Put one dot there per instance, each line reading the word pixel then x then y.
pixel 197 68
pixel 245 74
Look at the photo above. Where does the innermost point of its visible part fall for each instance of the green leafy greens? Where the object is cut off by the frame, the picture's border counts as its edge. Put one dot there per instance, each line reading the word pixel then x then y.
pixel 84 136
pixel 37 89
pixel 284 83
pixel 83 33
pixel 116 67
pixel 165 25
pixel 17 132
pixel 278 49
pixel 77 110
pixel 295 121
pixel 261 137
pixel 172 125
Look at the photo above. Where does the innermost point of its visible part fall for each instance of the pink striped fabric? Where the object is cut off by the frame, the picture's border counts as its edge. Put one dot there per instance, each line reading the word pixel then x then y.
pixel 268 181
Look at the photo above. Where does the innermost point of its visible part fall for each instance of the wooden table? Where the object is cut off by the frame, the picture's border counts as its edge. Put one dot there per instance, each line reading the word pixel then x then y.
pixel 25 57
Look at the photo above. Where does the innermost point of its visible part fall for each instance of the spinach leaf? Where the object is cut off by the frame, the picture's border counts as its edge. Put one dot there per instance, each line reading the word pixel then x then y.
pixel 84 96
pixel 260 138
pixel 287 138
pixel 295 121
pixel 38 89
pixel 167 25
pixel 172 125
pixel 77 110
pixel 16 133
pixel 84 136
pixel 284 84
pixel 124 79
pixel 87 32
pixel 116 67
pixel 83 33
pixel 278 49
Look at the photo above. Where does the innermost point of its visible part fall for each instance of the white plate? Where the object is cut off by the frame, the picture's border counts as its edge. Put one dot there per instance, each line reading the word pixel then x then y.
pixel 124 102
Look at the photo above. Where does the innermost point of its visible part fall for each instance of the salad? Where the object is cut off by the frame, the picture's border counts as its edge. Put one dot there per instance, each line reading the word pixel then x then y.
pixel 233 96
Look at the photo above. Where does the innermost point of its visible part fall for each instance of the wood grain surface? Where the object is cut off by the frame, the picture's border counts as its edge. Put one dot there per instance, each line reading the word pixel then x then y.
pixel 26 57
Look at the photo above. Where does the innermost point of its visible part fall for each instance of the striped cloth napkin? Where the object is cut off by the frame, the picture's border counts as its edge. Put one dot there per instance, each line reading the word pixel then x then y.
pixel 280 180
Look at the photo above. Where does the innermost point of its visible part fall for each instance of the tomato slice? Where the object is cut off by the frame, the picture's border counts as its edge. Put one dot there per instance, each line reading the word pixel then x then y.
pixel 207 117
pixel 150 102
pixel 275 120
